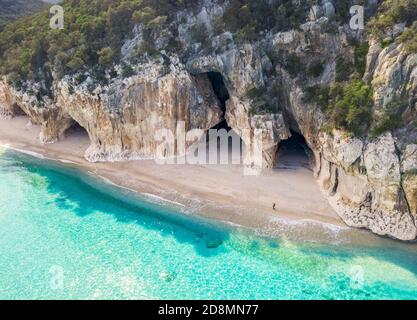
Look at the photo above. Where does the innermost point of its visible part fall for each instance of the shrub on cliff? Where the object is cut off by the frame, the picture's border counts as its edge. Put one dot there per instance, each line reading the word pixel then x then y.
pixel 394 12
pixel 94 33
pixel 317 94
pixel 294 65
pixel 13 9
pixel 351 106
pixel 247 18
pixel 344 69
pixel 127 70
pixel 409 38
pixel 360 55
pixel 106 57
pixel 386 123
pixel 390 118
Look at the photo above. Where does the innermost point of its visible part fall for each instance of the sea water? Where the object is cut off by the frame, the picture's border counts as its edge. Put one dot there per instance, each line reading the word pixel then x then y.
pixel 67 235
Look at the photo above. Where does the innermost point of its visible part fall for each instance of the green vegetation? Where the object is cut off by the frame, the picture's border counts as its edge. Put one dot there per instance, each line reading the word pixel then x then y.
pixel 344 69
pixel 386 42
pixel 316 69
pixel 259 103
pixel 247 18
pixel 96 29
pixel 409 38
pixel 393 12
pixel 390 119
pixel 319 95
pixel 386 123
pixel 94 33
pixel 347 105
pixel 350 106
pixel 361 52
pixel 127 70
pixel 13 9
pixel 294 65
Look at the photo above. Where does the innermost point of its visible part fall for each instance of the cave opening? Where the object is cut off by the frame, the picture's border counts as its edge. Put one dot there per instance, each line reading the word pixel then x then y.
pixel 231 147
pixel 294 152
pixel 222 94
pixel 21 116
pixel 219 88
pixel 77 137
pixel 76 131
pixel 18 111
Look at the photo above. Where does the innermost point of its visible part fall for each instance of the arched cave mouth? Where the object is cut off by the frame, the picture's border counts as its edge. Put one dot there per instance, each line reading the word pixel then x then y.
pixel 294 153
pixel 77 138
pixel 219 88
pixel 222 93
pixel 76 131
pixel 18 111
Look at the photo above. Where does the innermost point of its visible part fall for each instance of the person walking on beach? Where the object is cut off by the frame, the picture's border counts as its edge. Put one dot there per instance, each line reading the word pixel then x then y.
pixel 274 206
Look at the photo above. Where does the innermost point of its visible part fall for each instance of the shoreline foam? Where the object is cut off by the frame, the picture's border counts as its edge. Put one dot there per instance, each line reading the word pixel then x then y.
pixel 233 203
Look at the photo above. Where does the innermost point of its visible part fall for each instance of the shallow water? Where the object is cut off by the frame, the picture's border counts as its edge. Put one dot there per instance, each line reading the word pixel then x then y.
pixel 65 235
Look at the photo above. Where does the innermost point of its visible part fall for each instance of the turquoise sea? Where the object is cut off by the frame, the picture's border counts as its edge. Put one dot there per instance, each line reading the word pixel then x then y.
pixel 67 235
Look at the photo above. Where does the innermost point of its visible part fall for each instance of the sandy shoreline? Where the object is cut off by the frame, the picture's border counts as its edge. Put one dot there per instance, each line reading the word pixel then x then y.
pixel 216 192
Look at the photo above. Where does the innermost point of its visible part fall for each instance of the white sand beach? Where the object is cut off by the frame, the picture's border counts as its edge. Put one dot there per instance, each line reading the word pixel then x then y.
pixel 244 200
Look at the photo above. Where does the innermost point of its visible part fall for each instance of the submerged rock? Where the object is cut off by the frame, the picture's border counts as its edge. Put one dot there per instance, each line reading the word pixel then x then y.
pixel 213 243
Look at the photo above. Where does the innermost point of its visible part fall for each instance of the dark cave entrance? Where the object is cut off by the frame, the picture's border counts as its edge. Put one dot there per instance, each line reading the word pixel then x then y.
pixel 219 88
pixel 18 111
pixel 77 138
pixel 294 152
pixel 222 94
pixel 234 148
pixel 76 131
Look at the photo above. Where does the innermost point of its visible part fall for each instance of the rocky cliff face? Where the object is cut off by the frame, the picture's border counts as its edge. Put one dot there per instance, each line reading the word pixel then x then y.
pixel 370 181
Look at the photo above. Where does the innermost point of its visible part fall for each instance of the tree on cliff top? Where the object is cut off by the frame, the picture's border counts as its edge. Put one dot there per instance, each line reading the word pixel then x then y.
pixel 11 10
pixel 96 29
pixel 392 13
pixel 94 33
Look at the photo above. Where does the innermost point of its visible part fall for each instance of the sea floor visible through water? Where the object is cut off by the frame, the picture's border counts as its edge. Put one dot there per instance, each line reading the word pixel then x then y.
pixel 68 235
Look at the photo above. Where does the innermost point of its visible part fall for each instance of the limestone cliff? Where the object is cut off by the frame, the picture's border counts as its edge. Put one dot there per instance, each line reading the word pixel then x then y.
pixel 371 180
